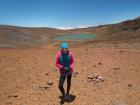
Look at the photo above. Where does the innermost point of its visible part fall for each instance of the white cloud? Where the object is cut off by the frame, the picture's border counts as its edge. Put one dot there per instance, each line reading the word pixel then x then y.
pixel 66 28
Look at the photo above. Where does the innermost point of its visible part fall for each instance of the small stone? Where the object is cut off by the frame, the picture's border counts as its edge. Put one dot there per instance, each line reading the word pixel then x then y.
pixel 90 77
pixel 97 80
pixel 14 95
pixel 101 78
pixel 46 87
pixel 40 87
pixel 130 85
pixel 76 73
pixel 50 82
pixel 100 63
pixel 116 68
pixel 96 75
pixel 47 74
pixel 94 79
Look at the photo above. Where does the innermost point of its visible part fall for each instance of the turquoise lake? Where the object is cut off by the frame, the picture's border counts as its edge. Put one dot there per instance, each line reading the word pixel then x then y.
pixel 75 37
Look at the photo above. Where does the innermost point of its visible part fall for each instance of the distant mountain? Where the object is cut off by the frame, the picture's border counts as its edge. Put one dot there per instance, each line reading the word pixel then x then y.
pixel 13 36
pixel 126 31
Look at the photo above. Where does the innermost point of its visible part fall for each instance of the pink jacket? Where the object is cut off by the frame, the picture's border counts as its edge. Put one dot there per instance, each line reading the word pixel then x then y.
pixel 58 62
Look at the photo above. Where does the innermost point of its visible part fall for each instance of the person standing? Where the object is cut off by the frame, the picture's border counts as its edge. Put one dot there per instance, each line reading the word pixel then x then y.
pixel 65 64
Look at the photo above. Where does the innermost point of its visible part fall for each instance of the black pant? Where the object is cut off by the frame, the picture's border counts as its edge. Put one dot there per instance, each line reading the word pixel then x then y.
pixel 61 83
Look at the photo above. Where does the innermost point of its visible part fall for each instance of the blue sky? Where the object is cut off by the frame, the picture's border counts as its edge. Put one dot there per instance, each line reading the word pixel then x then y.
pixel 67 13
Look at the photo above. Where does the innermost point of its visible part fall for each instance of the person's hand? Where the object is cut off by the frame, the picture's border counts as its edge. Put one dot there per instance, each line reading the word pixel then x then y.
pixel 63 71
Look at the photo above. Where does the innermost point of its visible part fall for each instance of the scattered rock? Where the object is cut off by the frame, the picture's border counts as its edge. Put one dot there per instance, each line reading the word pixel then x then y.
pixel 47 74
pixel 90 77
pixel 50 82
pixel 100 63
pixel 100 78
pixel 130 85
pixel 14 95
pixel 44 87
pixel 116 68
pixel 96 78
pixel 76 73
pixel 95 75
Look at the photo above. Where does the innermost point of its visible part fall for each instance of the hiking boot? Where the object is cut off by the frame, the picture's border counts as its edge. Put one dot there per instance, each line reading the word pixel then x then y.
pixel 62 100
pixel 67 98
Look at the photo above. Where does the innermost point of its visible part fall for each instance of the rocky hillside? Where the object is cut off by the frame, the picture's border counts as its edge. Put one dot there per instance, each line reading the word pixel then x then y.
pixel 127 31
pixel 12 36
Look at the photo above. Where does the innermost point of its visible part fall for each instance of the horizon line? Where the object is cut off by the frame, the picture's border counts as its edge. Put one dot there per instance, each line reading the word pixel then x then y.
pixel 64 27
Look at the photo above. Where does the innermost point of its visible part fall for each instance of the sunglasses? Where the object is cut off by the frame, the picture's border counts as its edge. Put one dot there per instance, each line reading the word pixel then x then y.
pixel 64 48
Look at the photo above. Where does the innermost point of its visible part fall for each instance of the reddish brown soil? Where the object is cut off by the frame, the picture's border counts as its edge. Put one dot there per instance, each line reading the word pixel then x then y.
pixel 24 74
